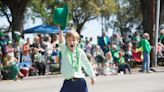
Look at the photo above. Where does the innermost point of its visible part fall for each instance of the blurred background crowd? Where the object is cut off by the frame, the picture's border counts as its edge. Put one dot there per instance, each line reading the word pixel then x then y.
pixel 109 56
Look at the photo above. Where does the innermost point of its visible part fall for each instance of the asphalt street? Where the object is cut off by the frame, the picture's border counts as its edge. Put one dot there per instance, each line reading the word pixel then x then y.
pixel 139 82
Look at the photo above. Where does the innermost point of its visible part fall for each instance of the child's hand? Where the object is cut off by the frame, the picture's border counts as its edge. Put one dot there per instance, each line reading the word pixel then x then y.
pixel 59 28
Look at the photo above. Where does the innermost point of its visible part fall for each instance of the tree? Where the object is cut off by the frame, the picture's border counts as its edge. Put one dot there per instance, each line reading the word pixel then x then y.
pixel 127 17
pixel 15 12
pixel 17 9
pixel 149 15
pixel 106 12
pixel 162 12
pixel 83 11
pixel 44 9
pixel 3 12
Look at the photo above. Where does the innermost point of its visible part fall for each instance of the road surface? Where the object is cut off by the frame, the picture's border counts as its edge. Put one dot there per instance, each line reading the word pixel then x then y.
pixel 140 82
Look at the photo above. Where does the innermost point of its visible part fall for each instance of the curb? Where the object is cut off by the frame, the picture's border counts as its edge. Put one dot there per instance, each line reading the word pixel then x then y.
pixel 153 69
pixel 134 71
pixel 41 77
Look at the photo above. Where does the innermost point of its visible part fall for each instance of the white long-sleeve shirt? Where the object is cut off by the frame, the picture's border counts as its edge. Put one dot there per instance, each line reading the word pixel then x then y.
pixel 67 69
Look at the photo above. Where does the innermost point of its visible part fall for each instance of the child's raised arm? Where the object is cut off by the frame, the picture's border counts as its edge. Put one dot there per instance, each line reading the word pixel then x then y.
pixel 60 35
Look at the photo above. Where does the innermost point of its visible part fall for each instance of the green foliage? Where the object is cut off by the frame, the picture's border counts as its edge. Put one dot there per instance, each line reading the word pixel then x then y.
pixel 3 10
pixel 127 17
pixel 162 13
pixel 43 9
pixel 81 11
pixel 108 7
pixel 86 10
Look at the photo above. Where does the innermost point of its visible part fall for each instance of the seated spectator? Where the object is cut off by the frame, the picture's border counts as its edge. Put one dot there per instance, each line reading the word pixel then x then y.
pixel 115 52
pixel 128 54
pixel 93 63
pixel 10 49
pixel 99 57
pixel 38 62
pixel 54 58
pixel 11 66
pixel 161 37
pixel 160 49
pixel 26 61
pixel 122 64
pixel 109 66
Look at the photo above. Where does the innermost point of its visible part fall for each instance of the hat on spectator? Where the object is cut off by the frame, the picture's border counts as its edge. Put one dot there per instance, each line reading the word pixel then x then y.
pixel 9 42
pixel 17 33
pixel 162 31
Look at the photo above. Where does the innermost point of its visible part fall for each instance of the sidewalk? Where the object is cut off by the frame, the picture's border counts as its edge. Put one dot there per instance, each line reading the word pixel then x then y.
pixel 154 69
pixel 134 71
pixel 47 75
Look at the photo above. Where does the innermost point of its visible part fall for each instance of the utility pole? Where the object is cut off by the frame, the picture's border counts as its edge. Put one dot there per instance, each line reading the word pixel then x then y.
pixel 151 26
pixel 157 30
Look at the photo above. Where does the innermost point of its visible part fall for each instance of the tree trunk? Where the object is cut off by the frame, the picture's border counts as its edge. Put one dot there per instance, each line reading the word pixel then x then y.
pixel 79 28
pixel 17 20
pixel 148 12
pixel 17 9
pixel 162 12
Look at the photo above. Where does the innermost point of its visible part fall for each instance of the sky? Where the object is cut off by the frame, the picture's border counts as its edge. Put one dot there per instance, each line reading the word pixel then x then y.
pixel 90 29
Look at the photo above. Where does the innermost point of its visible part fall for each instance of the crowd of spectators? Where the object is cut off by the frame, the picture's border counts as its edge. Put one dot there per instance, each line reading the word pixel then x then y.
pixel 109 56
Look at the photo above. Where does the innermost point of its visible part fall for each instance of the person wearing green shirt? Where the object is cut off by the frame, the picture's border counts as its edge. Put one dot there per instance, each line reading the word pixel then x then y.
pixel 122 64
pixel 145 45
pixel 72 61
pixel 161 38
